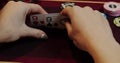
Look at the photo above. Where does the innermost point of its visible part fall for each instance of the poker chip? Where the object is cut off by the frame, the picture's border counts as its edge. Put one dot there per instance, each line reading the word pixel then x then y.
pixel 117 21
pixel 112 8
pixel 66 4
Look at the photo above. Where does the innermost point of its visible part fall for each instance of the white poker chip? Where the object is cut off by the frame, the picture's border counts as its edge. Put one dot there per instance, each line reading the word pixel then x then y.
pixel 66 4
pixel 112 8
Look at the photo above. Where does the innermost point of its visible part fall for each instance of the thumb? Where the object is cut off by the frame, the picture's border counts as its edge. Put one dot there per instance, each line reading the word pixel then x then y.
pixel 69 28
pixel 32 32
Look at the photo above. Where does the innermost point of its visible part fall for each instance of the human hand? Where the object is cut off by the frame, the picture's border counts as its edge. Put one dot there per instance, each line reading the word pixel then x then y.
pixel 12 21
pixel 91 32
pixel 88 27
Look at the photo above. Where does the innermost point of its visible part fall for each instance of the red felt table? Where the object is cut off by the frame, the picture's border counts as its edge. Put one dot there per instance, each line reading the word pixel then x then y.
pixel 57 49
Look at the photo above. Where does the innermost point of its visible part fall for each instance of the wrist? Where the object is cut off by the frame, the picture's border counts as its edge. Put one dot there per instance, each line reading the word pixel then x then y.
pixel 106 51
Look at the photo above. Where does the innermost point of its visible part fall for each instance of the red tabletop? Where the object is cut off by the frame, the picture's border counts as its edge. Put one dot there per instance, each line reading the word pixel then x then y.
pixel 57 49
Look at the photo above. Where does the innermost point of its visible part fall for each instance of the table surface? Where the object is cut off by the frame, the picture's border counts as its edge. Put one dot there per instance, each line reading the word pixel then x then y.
pixel 57 49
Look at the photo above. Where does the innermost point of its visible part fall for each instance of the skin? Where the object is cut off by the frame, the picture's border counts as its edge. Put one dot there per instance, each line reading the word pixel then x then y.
pixel 91 32
pixel 12 21
pixel 93 35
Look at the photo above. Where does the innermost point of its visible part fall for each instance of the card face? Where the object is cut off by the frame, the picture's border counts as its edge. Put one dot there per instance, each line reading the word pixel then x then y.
pixel 51 20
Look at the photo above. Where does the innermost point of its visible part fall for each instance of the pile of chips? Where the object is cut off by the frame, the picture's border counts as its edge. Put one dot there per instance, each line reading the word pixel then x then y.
pixel 113 9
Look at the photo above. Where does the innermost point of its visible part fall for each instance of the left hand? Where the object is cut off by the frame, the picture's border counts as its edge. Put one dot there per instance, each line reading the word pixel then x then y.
pixel 12 21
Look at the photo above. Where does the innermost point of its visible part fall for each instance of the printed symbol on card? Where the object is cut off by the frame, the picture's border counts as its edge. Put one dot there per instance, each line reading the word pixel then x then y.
pixel 42 22
pixel 48 19
pixel 35 22
pixel 35 18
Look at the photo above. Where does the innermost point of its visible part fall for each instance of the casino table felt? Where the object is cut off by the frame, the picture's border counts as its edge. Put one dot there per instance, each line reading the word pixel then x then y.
pixel 57 49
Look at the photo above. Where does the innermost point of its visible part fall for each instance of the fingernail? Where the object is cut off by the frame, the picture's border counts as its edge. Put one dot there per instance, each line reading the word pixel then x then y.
pixel 44 37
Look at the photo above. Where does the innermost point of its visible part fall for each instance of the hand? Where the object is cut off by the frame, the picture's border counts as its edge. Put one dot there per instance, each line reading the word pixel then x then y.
pixel 88 27
pixel 91 32
pixel 12 21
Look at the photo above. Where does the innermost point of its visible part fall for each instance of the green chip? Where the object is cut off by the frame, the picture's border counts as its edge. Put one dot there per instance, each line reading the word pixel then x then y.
pixel 117 21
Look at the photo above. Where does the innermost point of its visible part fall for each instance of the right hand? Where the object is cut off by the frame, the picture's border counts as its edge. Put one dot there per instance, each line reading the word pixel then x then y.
pixel 87 27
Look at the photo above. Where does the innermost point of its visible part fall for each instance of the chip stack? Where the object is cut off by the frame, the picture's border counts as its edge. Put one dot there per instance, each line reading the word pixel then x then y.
pixel 112 8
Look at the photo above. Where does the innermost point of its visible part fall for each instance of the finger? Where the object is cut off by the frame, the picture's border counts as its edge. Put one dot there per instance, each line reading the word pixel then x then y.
pixel 69 28
pixel 102 17
pixel 104 21
pixel 88 8
pixel 66 11
pixel 36 8
pixel 69 10
pixel 98 14
pixel 72 13
pixel 37 33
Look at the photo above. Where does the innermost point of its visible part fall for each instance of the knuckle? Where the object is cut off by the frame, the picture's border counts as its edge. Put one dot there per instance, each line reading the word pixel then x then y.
pixel 88 7
pixel 37 4
pixel 11 2
pixel 75 8
pixel 20 3
pixel 96 11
